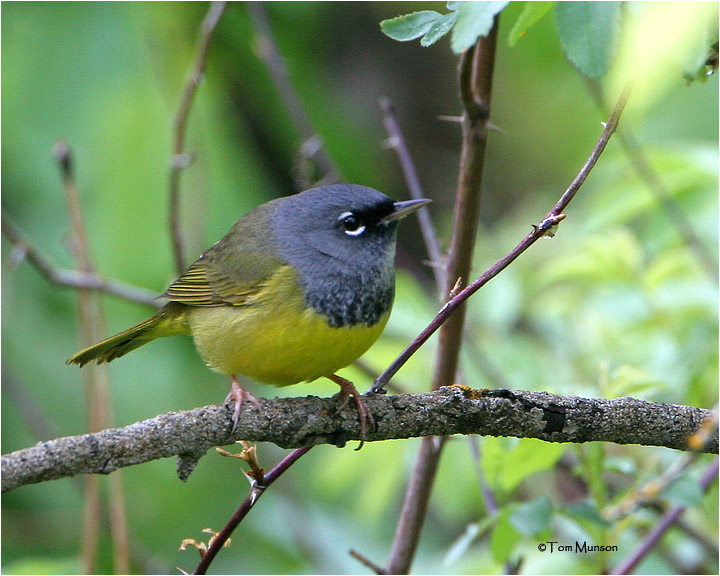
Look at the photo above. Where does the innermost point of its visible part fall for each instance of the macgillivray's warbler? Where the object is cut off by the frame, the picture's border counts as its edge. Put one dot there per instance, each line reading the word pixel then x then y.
pixel 298 288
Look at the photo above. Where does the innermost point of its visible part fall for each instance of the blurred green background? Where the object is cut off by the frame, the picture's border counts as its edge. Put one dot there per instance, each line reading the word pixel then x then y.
pixel 617 304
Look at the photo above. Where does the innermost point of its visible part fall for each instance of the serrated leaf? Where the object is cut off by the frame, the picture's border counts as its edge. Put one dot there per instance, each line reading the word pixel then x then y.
pixel 532 12
pixel 410 26
pixel 474 19
pixel 441 27
pixel 589 34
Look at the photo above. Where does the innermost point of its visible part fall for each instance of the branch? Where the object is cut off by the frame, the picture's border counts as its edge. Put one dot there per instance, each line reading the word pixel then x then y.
pixel 396 140
pixel 309 421
pixel 544 228
pixel 97 386
pixel 267 49
pixel 673 210
pixel 74 278
pixel 476 75
pixel 669 519
pixel 180 158
pixel 257 490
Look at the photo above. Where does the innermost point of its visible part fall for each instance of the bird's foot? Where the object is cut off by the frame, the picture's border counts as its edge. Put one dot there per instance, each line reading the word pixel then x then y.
pixel 238 394
pixel 348 389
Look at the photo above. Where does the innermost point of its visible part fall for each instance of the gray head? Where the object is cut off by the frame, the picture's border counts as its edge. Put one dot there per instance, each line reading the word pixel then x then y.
pixel 341 240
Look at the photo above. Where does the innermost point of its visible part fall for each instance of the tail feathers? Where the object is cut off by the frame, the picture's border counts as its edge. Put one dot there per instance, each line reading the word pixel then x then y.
pixel 167 322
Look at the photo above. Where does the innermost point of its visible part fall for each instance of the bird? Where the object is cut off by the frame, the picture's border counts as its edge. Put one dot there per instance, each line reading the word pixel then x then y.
pixel 300 287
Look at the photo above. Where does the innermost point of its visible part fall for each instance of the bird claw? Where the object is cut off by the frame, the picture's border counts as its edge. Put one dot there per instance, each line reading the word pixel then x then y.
pixel 238 394
pixel 347 389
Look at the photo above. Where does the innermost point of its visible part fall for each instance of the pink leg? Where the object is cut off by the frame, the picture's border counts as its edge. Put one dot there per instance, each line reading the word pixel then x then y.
pixel 238 394
pixel 348 389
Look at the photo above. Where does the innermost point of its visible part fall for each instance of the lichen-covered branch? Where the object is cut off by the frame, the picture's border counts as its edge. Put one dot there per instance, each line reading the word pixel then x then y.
pixel 295 422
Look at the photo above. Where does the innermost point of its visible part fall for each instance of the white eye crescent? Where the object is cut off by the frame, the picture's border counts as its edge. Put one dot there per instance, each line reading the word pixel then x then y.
pixel 351 224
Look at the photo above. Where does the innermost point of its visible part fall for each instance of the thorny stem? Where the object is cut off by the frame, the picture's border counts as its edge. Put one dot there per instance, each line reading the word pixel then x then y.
pixel 397 141
pixel 673 211
pixel 253 496
pixel 180 159
pixel 268 51
pixel 551 219
pixel 476 73
pixel 414 507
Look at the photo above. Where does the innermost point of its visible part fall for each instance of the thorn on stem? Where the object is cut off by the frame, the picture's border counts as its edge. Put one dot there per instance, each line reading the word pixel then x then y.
pixel 390 143
pixel 549 225
pixel 456 289
pixel 63 155
pixel 490 126
pixel 453 119
pixel 182 160
pixel 367 562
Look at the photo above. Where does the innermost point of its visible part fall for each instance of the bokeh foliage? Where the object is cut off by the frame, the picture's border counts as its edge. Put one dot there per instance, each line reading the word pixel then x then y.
pixel 617 304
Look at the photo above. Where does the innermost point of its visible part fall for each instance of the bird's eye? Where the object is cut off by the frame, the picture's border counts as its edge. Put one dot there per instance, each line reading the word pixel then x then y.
pixel 351 224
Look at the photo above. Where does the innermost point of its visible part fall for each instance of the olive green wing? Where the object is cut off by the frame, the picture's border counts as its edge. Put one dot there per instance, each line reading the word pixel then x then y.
pixel 235 269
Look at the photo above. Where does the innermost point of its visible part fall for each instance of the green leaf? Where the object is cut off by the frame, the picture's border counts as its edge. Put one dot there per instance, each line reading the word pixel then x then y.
pixel 702 64
pixel 462 544
pixel 410 26
pixel 441 27
pixel 587 512
pixel 474 19
pixel 589 33
pixel 632 381
pixel 532 12
pixel 531 518
pixel 685 491
pixel 507 463
pixel 504 539
pixel 454 4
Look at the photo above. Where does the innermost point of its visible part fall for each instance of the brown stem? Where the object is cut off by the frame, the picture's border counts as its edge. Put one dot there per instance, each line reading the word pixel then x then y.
pixel 74 278
pixel 476 72
pixel 180 159
pixel 97 384
pixel 269 52
pixel 675 214
pixel 552 218
pixel 397 142
pixel 669 519
pixel 256 491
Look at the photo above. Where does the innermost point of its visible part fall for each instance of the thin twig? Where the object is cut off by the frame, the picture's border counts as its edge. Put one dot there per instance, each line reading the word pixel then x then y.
pixel 267 49
pixel 97 385
pixel 180 159
pixel 675 214
pixel 553 218
pixel 251 499
pixel 367 562
pixel 397 141
pixel 74 278
pixel 665 523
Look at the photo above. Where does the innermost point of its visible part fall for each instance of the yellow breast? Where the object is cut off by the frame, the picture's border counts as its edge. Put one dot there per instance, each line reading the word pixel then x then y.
pixel 274 339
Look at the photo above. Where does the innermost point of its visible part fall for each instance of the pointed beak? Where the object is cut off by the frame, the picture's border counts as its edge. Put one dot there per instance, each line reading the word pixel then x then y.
pixel 404 208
